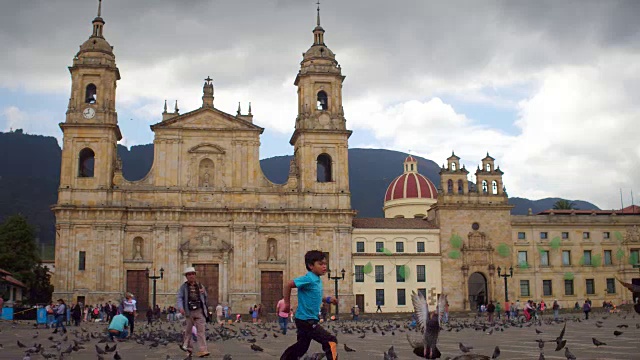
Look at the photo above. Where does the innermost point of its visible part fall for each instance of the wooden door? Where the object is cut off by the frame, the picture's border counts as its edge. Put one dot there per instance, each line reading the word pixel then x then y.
pixel 138 285
pixel 270 290
pixel 360 302
pixel 207 275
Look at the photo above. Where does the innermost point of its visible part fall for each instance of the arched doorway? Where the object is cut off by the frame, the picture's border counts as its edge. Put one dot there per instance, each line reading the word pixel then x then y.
pixel 477 290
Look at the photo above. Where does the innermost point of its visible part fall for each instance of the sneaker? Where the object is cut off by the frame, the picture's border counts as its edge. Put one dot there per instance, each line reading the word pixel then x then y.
pixel 202 354
pixel 55 331
pixel 183 348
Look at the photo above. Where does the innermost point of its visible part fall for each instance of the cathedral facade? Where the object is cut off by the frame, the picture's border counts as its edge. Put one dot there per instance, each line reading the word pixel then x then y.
pixel 205 202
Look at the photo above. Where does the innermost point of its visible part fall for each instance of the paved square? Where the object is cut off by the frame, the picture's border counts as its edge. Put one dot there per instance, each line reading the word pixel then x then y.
pixel 515 342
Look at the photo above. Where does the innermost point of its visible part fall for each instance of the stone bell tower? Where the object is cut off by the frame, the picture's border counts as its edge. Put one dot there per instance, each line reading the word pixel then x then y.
pixel 474 221
pixel 91 132
pixel 321 138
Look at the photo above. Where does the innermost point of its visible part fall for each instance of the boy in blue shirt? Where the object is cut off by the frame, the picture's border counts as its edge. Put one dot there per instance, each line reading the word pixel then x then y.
pixel 309 301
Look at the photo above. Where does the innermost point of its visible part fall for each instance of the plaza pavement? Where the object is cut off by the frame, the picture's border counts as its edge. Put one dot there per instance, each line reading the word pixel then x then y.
pixel 514 342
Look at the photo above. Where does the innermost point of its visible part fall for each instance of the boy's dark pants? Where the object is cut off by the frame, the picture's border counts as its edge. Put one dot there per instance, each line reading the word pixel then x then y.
pixel 310 330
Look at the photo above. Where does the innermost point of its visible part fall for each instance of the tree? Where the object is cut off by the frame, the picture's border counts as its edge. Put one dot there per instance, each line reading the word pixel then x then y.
pixel 40 288
pixel 18 250
pixel 19 255
pixel 563 204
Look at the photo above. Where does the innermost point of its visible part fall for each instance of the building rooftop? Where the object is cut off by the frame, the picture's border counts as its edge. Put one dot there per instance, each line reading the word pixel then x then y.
pixel 393 223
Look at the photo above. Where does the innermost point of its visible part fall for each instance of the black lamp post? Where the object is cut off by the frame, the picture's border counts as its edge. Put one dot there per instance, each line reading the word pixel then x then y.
pixel 335 279
pixel 505 276
pixel 154 277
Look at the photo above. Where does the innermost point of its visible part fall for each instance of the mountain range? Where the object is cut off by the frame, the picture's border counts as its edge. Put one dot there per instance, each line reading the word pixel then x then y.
pixel 30 171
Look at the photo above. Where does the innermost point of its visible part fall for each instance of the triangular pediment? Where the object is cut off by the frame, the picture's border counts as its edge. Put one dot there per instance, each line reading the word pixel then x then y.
pixel 207 119
pixel 207 149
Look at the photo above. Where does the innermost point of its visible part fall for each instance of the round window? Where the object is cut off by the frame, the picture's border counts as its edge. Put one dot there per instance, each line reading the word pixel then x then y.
pixel 475 226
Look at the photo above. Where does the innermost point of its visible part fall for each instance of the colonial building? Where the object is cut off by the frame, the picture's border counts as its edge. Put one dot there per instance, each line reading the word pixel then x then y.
pixel 571 255
pixel 205 202
pixel 400 253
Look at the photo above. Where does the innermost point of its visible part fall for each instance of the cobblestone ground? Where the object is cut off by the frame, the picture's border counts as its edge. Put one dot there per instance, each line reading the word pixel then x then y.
pixel 515 342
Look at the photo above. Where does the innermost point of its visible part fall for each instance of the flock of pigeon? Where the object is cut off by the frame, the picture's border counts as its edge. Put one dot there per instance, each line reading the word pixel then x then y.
pixel 92 342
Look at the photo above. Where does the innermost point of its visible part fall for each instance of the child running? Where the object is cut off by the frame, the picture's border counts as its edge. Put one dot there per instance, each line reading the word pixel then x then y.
pixel 309 301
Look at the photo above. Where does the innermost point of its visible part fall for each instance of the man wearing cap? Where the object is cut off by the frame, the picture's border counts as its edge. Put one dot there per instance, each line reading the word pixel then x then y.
pixel 192 303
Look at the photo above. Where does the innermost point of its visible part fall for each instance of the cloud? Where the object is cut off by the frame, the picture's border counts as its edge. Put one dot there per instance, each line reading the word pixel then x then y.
pixel 38 122
pixel 568 69
pixel 577 139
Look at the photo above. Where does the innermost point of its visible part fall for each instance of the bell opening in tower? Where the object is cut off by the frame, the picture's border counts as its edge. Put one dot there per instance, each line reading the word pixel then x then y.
pixel 86 162
pixel 324 168
pixel 323 102
pixel 90 94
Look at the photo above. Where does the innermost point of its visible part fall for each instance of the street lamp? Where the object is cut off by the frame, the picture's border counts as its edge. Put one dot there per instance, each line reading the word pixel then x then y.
pixel 335 279
pixel 154 277
pixel 505 276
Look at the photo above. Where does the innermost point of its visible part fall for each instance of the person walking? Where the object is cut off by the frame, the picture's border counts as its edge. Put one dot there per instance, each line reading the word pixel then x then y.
pixel 192 303
pixel 76 314
pixel 61 313
pixel 556 309
pixel 51 316
pixel 130 310
pixel 283 316
pixel 490 310
pixel 498 310
pixel 356 313
pixel 586 308
pixel 220 314
pixel 310 298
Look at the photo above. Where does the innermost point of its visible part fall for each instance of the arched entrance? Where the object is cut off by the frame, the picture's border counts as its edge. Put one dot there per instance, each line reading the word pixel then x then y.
pixel 477 290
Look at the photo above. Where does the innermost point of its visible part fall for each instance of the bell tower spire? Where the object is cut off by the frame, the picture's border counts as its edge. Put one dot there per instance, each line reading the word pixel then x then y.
pixel 98 23
pixel 318 32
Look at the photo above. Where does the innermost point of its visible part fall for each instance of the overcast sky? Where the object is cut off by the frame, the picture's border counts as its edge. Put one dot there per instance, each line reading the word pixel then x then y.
pixel 550 89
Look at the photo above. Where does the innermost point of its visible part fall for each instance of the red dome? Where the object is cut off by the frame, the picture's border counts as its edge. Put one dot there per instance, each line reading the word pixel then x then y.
pixel 411 185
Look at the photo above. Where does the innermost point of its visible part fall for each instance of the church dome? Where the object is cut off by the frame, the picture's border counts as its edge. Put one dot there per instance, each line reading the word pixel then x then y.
pixel 96 44
pixel 411 184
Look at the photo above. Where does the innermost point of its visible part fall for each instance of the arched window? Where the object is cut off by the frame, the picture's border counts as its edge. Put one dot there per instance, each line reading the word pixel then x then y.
pixel 453 166
pixel 484 186
pixel 494 187
pixel 86 162
pixel 323 101
pixel 205 173
pixel 449 186
pixel 91 94
pixel 324 168
pixel 460 187
pixel 488 167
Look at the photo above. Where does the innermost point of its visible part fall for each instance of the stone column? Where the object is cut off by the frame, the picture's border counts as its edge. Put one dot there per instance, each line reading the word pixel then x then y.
pixel 224 293
pixel 465 287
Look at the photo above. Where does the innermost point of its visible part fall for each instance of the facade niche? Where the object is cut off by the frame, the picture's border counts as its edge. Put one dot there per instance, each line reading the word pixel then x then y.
pixel 460 187
pixel 91 94
pixel 86 163
pixel 205 173
pixel 324 168
pixel 449 186
pixel 494 187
